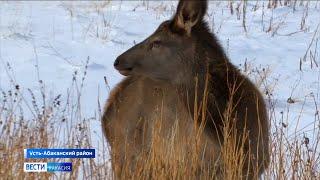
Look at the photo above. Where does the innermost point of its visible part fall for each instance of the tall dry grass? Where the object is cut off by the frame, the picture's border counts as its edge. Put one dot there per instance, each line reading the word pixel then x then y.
pixel 55 123
pixel 40 120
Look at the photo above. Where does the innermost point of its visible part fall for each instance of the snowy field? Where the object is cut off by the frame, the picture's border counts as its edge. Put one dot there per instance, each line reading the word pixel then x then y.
pixel 54 42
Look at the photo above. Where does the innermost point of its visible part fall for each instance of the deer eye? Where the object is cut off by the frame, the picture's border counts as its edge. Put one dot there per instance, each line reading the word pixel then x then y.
pixel 156 44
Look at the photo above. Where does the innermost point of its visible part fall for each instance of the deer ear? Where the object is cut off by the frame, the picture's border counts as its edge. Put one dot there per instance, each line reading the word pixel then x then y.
pixel 189 13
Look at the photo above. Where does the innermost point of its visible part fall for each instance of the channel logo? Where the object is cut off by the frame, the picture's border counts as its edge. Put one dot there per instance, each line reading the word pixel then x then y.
pixel 47 167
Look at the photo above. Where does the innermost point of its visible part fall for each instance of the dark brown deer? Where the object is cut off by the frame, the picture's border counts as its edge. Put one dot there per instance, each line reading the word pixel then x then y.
pixel 180 80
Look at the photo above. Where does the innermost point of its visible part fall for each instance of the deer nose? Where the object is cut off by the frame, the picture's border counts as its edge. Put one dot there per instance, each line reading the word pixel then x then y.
pixel 116 62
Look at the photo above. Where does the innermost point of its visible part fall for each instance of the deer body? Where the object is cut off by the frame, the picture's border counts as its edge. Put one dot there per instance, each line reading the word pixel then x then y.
pixel 135 108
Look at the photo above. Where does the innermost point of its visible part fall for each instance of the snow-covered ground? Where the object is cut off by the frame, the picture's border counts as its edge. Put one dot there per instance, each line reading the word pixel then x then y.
pixel 49 41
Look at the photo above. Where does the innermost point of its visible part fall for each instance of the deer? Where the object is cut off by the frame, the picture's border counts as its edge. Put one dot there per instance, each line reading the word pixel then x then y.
pixel 179 79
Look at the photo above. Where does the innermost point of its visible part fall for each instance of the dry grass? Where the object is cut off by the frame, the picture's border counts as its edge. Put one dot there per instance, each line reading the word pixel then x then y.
pixel 58 123
pixel 44 121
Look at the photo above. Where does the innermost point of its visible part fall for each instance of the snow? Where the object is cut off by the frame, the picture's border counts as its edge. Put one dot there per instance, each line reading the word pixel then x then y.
pixel 60 37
